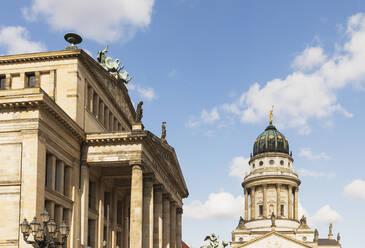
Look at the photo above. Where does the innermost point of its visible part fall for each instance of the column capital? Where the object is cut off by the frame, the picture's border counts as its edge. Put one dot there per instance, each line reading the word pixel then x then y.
pixel 136 163
pixel 148 177
pixel 179 210
pixel 296 189
pixel 158 187
pixel 166 197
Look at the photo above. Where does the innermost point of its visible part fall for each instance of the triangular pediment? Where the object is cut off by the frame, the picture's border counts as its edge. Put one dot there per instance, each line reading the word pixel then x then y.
pixel 274 240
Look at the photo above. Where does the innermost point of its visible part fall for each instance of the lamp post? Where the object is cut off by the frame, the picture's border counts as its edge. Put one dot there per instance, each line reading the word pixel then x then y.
pixel 45 235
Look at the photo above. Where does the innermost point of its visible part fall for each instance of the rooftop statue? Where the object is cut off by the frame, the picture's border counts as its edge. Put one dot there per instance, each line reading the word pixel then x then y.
pixel 163 131
pixel 214 242
pixel 113 67
pixel 241 223
pixel 273 218
pixel 139 112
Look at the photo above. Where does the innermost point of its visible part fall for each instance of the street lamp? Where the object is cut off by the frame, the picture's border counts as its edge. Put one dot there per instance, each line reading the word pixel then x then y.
pixel 46 234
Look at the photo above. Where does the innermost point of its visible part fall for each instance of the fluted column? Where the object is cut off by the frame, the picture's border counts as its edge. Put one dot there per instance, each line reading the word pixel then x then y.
pixel 135 239
pixel 126 219
pixel 265 200
pixel 246 204
pixel 148 211
pixel 172 224
pixel 84 203
pixel 253 202
pixel 278 188
pixel 157 223
pixel 179 212
pixel 166 221
pixel 296 203
pixel 290 202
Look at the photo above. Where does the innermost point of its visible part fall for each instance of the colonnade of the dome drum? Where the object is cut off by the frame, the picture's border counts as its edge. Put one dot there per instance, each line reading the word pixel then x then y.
pixel 263 200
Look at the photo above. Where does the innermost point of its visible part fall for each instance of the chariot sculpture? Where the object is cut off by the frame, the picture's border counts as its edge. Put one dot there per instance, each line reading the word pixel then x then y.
pixel 214 242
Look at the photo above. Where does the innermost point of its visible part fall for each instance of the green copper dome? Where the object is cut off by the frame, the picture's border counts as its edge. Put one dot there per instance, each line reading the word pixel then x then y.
pixel 271 140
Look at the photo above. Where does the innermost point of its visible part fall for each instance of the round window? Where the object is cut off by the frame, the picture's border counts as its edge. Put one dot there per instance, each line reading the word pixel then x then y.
pixel 261 163
pixel 304 238
pixel 241 239
pixel 271 161
pixel 282 162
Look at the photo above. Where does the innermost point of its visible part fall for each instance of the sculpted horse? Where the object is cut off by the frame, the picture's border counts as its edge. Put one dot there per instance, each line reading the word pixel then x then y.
pixel 214 242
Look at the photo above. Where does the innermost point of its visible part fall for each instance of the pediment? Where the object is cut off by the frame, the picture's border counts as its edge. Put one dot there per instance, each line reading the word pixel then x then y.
pixel 274 240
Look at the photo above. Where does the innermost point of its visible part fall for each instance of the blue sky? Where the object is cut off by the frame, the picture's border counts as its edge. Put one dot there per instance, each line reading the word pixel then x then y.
pixel 212 69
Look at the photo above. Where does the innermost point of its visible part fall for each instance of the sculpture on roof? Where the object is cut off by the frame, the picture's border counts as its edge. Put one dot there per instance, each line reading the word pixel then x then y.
pixel 139 112
pixel 163 131
pixel 316 235
pixel 113 67
pixel 338 238
pixel 303 220
pixel 214 242
pixel 241 223
pixel 330 234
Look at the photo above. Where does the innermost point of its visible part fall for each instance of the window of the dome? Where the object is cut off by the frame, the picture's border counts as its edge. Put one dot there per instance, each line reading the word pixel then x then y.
pixel 279 137
pixel 261 163
pixel 271 136
pixel 262 137
pixel 271 161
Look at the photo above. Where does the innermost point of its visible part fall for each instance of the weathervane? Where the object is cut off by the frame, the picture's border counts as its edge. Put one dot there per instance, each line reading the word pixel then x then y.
pixel 271 115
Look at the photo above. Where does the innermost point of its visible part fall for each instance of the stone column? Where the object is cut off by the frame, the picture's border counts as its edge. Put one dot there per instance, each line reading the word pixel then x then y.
pixel 278 188
pixel 265 200
pixel 253 216
pixel 60 176
pixel 51 172
pixel 166 221
pixel 58 214
pixel 296 203
pixel 126 221
pixel 172 224
pixel 136 207
pixel 157 223
pixel 84 203
pixel 179 212
pixel 147 211
pixel 246 204
pixel 290 202
pixel 101 199
pixel 115 219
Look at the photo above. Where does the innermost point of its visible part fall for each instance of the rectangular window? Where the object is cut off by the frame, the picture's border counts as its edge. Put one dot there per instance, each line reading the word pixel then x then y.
pixel 281 210
pixel 30 79
pixel 2 82
pixel 92 195
pixel 91 233
pixel 261 210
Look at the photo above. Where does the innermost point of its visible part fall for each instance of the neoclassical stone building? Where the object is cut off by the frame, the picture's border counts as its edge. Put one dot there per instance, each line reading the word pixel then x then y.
pixel 271 200
pixel 70 142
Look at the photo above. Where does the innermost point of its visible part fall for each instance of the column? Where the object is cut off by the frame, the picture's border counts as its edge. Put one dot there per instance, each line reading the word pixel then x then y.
pixel 278 188
pixel 51 172
pixel 126 221
pixel 246 204
pixel 115 219
pixel 296 203
pixel 37 75
pixel 179 212
pixel 290 202
pixel 58 214
pixel 84 203
pixel 157 223
pixel 265 200
pixel 147 211
pixel 101 199
pixel 135 239
pixel 172 224
pixel 253 216
pixel 166 221
pixel 60 176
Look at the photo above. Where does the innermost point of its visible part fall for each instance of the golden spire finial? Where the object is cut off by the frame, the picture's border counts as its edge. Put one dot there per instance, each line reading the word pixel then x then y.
pixel 271 115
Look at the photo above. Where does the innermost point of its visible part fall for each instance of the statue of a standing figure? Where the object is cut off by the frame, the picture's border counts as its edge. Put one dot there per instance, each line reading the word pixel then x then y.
pixel 163 131
pixel 101 55
pixel 214 242
pixel 338 238
pixel 316 235
pixel 273 218
pixel 241 223
pixel 330 233
pixel 139 112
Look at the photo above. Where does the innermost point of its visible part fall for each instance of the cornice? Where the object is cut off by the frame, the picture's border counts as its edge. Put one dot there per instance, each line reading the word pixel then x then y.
pixel 35 57
pixel 271 154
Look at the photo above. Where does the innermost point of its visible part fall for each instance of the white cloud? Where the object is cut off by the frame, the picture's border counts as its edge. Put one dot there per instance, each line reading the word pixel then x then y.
pixel 302 96
pixel 325 215
pixel 239 167
pixel 316 174
pixel 16 40
pixel 309 58
pixel 101 21
pixel 222 205
pixel 144 93
pixel 307 153
pixel 209 117
pixel 356 189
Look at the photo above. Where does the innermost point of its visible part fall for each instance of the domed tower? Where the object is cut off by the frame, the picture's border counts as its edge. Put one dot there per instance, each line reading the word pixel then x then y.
pixel 271 192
